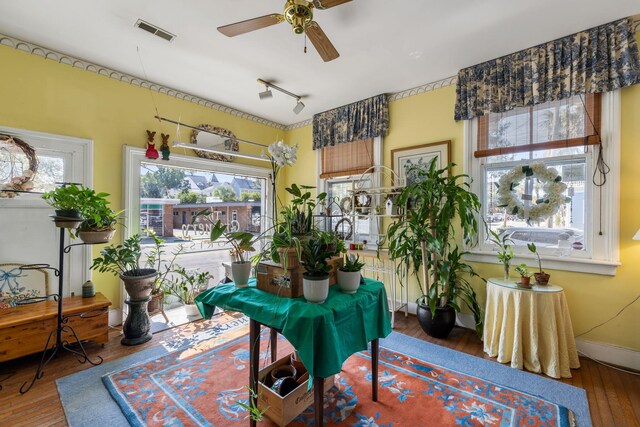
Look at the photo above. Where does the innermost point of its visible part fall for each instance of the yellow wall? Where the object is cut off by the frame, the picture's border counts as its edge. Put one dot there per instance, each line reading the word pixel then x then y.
pixel 592 298
pixel 42 95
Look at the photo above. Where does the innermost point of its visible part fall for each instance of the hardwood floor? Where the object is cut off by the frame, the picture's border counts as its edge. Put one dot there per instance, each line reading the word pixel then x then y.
pixel 614 396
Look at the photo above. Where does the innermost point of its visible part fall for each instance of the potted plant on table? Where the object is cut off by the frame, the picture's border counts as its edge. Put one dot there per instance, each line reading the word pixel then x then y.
pixel 424 239
pixel 505 253
pixel 542 278
pixel 315 279
pixel 349 274
pixel 123 260
pixel 525 276
pixel 242 243
pixel 186 287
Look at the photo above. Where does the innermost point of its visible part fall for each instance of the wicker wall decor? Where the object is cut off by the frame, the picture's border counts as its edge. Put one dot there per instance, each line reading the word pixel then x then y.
pixel 11 145
pixel 230 144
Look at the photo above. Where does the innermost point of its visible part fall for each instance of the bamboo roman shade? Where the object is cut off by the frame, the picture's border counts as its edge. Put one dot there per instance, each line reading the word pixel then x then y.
pixel 346 159
pixel 566 123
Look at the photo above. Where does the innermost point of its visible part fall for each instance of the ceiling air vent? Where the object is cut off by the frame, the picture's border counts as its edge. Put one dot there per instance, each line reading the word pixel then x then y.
pixel 150 28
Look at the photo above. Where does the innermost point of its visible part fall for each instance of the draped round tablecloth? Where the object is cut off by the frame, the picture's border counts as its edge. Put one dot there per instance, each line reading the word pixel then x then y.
pixel 530 328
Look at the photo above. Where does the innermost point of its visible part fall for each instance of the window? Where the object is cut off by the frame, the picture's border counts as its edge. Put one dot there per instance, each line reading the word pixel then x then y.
pixel 340 167
pixel 560 134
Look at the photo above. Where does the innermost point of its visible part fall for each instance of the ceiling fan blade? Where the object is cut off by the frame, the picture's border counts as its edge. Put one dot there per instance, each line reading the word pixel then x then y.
pixel 320 41
pixel 249 25
pixel 326 4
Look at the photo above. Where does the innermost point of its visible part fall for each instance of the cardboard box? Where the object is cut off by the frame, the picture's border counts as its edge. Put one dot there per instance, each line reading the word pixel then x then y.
pixel 282 410
pixel 271 277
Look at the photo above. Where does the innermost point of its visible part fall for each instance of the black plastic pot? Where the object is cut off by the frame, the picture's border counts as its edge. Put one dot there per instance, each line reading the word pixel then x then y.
pixel 68 213
pixel 438 326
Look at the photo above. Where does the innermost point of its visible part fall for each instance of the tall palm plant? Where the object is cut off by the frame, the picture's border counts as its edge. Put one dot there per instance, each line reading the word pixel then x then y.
pixel 425 237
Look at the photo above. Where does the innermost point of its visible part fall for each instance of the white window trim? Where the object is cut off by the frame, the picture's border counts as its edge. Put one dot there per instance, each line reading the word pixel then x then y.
pixel 604 249
pixel 321 183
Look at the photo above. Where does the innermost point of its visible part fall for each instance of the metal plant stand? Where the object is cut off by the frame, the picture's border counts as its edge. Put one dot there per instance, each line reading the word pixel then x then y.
pixel 72 344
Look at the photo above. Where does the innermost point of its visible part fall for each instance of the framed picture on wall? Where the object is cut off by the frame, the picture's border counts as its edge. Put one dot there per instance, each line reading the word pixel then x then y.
pixel 404 159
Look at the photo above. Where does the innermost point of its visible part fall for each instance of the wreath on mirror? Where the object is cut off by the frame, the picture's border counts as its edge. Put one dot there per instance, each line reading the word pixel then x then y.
pixel 230 144
pixel 344 229
pixel 12 146
pixel 345 205
pixel 537 210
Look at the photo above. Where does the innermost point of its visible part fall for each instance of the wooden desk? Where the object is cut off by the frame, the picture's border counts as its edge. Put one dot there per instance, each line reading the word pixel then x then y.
pixel 24 329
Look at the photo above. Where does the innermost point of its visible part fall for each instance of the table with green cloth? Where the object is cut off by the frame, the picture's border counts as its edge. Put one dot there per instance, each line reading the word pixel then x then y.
pixel 324 335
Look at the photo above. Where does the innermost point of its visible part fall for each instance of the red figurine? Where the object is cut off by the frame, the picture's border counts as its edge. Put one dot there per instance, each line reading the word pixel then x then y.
pixel 151 153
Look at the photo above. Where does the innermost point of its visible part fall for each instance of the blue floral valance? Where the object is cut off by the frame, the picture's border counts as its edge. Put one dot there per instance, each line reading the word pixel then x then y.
pixel 361 120
pixel 601 59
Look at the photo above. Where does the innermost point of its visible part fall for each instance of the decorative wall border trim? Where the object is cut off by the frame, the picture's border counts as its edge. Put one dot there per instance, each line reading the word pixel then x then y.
pixel 127 78
pixel 298 125
pixel 448 81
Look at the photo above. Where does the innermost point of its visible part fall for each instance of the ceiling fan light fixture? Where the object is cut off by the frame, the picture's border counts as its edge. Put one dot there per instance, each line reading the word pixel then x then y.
pixel 266 94
pixel 299 107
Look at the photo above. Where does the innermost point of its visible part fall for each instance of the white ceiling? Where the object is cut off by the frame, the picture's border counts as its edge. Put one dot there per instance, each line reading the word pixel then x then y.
pixel 385 46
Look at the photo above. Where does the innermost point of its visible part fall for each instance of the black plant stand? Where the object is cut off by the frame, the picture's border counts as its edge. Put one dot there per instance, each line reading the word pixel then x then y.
pixel 62 322
pixel 137 326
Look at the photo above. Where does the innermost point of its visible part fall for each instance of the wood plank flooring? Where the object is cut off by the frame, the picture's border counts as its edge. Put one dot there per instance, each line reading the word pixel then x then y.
pixel 614 396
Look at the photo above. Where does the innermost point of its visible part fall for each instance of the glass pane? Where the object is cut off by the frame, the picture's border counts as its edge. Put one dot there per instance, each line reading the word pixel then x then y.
pixel 564 231
pixel 13 163
pixel 170 200
pixel 336 192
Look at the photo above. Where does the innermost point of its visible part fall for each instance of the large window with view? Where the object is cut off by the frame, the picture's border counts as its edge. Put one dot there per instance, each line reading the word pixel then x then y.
pixel 561 136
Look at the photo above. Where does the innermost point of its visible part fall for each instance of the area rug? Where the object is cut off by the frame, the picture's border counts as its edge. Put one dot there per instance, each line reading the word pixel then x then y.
pixel 203 383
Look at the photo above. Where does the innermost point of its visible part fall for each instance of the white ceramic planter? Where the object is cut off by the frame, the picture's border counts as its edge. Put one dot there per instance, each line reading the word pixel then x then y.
pixel 191 310
pixel 241 271
pixel 349 281
pixel 315 290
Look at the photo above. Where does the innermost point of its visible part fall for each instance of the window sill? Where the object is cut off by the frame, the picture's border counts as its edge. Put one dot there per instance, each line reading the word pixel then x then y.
pixel 580 265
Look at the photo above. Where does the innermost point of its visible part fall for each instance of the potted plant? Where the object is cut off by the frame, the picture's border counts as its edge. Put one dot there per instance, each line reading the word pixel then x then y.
pixel 525 276
pixel 542 278
pixel 67 202
pixel 99 220
pixel 505 253
pixel 123 260
pixel 424 239
pixel 349 274
pixel 242 243
pixel 154 260
pixel 186 287
pixel 315 279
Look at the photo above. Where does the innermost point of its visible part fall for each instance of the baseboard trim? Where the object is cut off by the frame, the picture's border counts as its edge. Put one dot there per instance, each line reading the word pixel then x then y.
pixel 464 320
pixel 609 353
pixel 115 317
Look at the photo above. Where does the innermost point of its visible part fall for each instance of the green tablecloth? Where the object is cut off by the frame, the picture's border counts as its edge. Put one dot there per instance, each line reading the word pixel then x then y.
pixel 324 335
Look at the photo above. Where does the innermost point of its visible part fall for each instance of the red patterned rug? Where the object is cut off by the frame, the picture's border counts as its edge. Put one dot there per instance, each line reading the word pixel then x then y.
pixel 201 386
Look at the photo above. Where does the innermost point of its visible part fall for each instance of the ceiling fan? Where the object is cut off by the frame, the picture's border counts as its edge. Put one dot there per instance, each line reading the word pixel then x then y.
pixel 298 13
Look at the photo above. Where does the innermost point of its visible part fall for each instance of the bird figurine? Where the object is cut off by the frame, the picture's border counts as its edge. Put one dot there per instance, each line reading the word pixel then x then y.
pixel 151 152
pixel 165 147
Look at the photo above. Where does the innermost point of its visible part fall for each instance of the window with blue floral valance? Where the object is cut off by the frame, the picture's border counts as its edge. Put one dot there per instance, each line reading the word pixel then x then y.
pixel 601 59
pixel 353 122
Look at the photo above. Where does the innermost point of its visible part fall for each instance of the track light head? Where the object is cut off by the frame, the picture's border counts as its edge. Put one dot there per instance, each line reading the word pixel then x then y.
pixel 266 93
pixel 299 107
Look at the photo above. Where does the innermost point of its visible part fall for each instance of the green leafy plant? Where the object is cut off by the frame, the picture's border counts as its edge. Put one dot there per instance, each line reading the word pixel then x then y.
pixel 299 214
pixel 187 286
pixel 352 264
pixel 241 241
pixel 97 214
pixel 254 412
pixel 523 271
pixel 67 197
pixel 425 238
pixel 532 248
pixel 154 260
pixel 332 241
pixel 505 253
pixel 121 259
pixel 314 257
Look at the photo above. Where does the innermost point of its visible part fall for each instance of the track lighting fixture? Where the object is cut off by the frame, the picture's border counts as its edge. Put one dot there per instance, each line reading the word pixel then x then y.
pixel 268 94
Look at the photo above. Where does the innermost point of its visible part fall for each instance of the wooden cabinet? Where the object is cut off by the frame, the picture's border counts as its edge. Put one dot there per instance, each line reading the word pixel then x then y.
pixel 24 329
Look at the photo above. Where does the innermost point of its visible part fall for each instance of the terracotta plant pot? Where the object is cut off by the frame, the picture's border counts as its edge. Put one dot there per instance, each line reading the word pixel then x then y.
pixel 156 302
pixel 438 325
pixel 542 279
pixel 525 281
pixel 315 289
pixel 103 236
